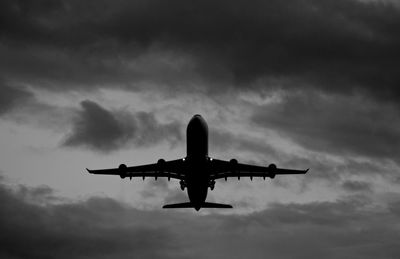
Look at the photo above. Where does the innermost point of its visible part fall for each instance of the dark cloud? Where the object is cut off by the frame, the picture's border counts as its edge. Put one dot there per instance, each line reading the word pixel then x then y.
pixel 41 195
pixel 20 103
pixel 226 142
pixel 334 124
pixel 356 186
pixel 344 52
pixel 105 228
pixel 99 129
pixel 394 208
pixel 12 97
pixel 103 130
pixel 79 230
pixel 323 167
pixel 339 46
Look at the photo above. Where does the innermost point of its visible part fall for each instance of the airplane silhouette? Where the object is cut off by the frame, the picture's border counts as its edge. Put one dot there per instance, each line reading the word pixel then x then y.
pixel 197 171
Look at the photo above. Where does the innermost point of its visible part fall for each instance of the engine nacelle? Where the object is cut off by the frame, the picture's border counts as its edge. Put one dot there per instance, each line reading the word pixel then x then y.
pixel 233 164
pixel 161 164
pixel 272 170
pixel 123 170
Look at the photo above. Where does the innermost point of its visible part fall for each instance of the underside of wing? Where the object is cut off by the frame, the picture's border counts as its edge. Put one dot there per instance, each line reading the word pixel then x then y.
pixel 224 169
pixel 170 169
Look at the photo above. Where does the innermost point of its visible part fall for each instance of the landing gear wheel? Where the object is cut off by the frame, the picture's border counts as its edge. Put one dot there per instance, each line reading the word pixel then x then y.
pixel 212 185
pixel 183 185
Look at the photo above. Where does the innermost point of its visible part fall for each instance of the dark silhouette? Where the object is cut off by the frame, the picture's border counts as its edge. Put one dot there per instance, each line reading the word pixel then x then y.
pixel 197 171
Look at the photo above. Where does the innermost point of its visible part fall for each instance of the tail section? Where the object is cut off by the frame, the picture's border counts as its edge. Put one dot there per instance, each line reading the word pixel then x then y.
pixel 203 205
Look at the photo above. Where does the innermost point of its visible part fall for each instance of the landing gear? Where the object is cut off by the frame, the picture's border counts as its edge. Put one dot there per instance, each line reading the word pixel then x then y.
pixel 183 185
pixel 211 184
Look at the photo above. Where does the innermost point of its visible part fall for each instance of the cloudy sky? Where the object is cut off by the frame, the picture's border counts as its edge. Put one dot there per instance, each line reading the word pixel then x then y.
pixel 300 83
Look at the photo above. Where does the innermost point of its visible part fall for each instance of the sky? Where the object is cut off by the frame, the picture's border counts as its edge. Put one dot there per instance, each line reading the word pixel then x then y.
pixel 300 83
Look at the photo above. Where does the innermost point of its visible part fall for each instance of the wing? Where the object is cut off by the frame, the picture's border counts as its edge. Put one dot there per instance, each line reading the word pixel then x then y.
pixel 170 169
pixel 224 169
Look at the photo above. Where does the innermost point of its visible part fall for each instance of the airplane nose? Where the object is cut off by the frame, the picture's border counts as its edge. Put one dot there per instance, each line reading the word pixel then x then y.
pixel 197 119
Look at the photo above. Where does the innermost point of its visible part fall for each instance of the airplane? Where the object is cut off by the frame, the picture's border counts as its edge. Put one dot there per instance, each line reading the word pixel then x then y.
pixel 197 171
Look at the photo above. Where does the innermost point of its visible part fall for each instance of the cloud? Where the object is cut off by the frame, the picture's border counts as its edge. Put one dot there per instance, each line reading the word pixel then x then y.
pixel 103 130
pixel 155 188
pixel 356 186
pixel 334 124
pixel 335 61
pixel 79 230
pixel 225 141
pixel 40 195
pixel 337 46
pixel 104 228
pixel 12 97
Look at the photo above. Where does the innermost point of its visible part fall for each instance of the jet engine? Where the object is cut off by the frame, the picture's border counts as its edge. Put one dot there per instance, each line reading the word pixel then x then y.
pixel 161 165
pixel 272 170
pixel 123 170
pixel 233 163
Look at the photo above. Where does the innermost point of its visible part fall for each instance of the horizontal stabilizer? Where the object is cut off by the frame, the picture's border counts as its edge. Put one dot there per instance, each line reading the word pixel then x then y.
pixel 203 205
pixel 216 205
pixel 178 205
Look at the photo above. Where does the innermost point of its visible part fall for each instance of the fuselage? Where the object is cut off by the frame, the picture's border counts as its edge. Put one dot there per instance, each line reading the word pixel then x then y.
pixel 197 179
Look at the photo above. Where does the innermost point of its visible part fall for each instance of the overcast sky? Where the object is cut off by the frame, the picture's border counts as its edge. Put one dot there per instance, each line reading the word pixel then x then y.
pixel 300 83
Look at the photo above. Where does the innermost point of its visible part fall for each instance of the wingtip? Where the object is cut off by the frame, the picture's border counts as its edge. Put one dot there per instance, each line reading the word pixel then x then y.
pixel 306 170
pixel 88 170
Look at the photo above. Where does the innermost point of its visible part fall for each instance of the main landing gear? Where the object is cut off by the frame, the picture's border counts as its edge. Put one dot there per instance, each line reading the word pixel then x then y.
pixel 211 184
pixel 183 185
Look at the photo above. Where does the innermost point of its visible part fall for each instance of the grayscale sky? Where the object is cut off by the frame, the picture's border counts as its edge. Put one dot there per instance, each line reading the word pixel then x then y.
pixel 300 83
